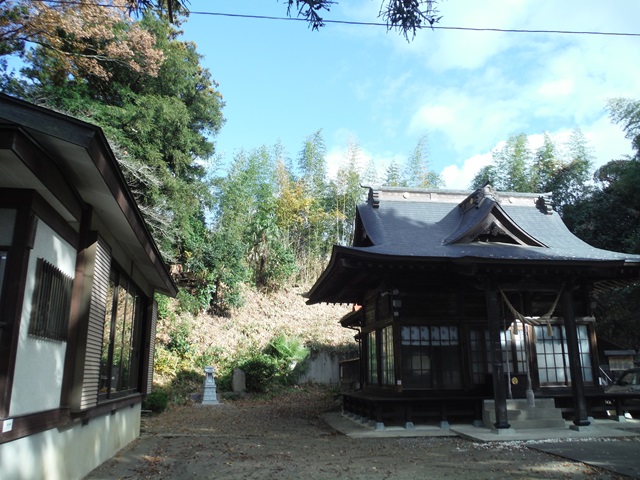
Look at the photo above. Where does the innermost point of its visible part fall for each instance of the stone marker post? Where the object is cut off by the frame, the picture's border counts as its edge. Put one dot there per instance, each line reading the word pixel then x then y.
pixel 239 381
pixel 210 396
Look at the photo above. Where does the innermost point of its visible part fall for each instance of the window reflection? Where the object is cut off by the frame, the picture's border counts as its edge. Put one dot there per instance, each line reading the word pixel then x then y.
pixel 118 368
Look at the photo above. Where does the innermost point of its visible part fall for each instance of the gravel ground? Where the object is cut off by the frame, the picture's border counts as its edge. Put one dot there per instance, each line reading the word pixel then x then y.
pixel 283 438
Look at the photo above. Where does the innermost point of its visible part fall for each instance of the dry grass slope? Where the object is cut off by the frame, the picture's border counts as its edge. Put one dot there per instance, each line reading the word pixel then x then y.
pixel 265 316
pixel 222 340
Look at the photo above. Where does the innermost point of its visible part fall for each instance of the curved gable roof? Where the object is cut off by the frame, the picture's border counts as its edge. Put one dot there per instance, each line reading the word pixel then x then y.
pixel 422 234
pixel 483 225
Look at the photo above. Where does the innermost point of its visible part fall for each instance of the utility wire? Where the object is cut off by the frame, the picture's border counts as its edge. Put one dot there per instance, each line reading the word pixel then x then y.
pixel 373 24
pixel 429 27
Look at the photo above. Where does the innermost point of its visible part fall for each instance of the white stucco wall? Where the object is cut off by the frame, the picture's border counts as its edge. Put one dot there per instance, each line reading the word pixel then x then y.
pixel 37 381
pixel 71 453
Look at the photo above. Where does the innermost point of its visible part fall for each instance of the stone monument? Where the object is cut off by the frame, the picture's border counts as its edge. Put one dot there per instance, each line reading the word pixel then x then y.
pixel 238 381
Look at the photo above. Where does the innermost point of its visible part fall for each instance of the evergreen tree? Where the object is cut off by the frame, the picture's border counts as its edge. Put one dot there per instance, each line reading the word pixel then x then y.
pixel 313 165
pixel 487 175
pixel 609 218
pixel 417 173
pixel 160 126
pixel 160 121
pixel 569 180
pixel 626 113
pixel 512 164
pixel 344 194
pixel 246 216
pixel 370 173
pixel 392 175
pixel 545 166
pixel 563 173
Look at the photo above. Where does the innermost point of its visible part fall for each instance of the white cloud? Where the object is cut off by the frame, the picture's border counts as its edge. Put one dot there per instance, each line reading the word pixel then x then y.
pixel 470 90
pixel 605 139
pixel 467 122
pixel 443 50
pixel 434 117
pixel 557 88
pixel 334 158
pixel 459 178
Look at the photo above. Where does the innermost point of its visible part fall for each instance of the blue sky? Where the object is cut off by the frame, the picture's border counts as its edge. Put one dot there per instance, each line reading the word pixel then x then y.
pixel 467 91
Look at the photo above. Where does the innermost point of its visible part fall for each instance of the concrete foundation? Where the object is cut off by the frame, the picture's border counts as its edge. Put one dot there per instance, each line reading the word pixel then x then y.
pixel 70 453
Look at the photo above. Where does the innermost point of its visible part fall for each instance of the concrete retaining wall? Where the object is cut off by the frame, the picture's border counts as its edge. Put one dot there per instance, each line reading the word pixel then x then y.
pixel 323 368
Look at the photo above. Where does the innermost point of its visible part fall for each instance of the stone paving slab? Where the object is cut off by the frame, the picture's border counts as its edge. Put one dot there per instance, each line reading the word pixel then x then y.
pixel 616 456
pixel 608 444
pixel 356 429
pixel 602 428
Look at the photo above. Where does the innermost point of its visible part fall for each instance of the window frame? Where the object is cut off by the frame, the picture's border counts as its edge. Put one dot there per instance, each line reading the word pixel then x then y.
pixel 430 355
pixel 132 322
pixel 372 358
pixel 583 336
pixel 4 253
pixel 387 359
pixel 51 302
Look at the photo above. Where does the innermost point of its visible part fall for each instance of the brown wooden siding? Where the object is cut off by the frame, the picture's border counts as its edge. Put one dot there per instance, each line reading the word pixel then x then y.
pixel 429 304
pixel 97 309
pixel 152 346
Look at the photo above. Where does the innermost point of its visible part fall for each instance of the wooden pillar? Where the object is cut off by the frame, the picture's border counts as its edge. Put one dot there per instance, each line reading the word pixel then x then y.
pixel 575 365
pixel 499 387
pixel 362 362
pixel 397 357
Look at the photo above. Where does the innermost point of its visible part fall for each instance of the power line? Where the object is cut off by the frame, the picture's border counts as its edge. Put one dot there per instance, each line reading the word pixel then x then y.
pixel 429 27
pixel 376 24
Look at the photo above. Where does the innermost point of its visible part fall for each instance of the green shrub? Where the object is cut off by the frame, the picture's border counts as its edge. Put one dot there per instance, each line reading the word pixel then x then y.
pixel 259 369
pixel 281 362
pixel 290 355
pixel 163 305
pixel 187 302
pixel 223 380
pixel 156 401
pixel 179 341
pixel 183 384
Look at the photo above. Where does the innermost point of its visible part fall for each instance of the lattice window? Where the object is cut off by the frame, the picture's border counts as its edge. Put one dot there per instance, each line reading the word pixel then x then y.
pixel 388 374
pixel 553 357
pixel 431 356
pixel 372 366
pixel 51 302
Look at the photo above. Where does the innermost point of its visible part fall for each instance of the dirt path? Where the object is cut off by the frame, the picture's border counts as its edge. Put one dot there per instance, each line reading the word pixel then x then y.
pixel 283 438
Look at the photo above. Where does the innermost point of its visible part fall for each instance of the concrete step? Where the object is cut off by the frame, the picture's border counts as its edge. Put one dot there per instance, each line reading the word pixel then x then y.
pixel 528 414
pixel 520 416
pixel 525 416
pixel 531 424
pixel 520 403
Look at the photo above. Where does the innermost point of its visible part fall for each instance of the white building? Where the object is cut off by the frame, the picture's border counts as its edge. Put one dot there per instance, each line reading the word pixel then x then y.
pixel 78 272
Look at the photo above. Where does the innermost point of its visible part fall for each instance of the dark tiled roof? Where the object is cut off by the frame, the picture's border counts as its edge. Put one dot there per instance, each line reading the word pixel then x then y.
pixel 427 224
pixel 436 236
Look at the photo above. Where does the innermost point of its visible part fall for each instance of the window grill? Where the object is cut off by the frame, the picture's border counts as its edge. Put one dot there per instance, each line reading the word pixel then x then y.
pixel 51 302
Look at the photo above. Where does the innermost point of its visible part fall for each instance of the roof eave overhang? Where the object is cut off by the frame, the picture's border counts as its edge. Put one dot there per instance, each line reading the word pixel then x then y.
pixel 336 283
pixel 72 144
